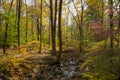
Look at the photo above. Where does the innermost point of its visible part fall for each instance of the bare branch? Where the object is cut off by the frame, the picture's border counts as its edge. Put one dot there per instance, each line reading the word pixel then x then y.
pixel 73 16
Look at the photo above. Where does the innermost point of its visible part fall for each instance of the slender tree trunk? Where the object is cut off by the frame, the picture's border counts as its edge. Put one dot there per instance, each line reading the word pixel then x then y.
pixel 52 28
pixel 37 20
pixel 71 33
pixel 26 22
pixel 49 35
pixel 18 22
pixel 59 32
pixel 6 30
pixel 111 23
pixel 98 7
pixel 80 24
pixel 102 17
pixel 5 39
pixel 119 24
pixel 32 27
pixel 80 28
pixel 40 27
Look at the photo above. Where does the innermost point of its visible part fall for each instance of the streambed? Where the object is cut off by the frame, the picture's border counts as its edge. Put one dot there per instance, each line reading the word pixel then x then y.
pixel 67 70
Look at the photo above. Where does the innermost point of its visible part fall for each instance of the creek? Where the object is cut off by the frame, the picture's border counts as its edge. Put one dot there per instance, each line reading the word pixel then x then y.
pixel 67 70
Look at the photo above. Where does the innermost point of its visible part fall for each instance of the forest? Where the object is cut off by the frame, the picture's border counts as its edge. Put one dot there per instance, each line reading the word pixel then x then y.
pixel 59 39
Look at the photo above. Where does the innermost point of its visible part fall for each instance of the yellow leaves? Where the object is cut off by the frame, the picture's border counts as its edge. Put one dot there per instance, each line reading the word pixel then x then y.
pixel 91 2
pixel 33 42
pixel 13 59
pixel 23 50
pixel 96 46
pixel 33 45
pixel 86 63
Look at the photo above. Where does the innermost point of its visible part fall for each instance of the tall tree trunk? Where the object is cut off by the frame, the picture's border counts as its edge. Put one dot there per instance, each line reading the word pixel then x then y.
pixel 80 27
pixel 119 24
pixel 102 17
pixel 5 38
pixel 37 20
pixel 26 22
pixel 59 31
pixel 111 23
pixel 32 27
pixel 52 28
pixel 98 9
pixel 80 24
pixel 49 35
pixel 6 30
pixel 18 21
pixel 40 27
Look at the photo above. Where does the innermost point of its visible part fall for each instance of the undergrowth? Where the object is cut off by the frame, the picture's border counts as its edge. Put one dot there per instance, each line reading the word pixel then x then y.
pixel 101 63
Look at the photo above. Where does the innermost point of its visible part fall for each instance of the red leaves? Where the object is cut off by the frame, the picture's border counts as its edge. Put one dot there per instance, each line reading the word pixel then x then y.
pixel 98 30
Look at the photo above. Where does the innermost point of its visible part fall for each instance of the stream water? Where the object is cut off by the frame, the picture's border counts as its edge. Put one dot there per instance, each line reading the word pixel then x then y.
pixel 66 71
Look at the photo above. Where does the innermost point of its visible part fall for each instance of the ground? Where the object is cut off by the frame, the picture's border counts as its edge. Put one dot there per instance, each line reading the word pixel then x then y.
pixel 34 66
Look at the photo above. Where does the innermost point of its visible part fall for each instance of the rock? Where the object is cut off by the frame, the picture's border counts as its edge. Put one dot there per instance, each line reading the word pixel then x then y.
pixel 3 77
pixel 40 78
pixel 67 70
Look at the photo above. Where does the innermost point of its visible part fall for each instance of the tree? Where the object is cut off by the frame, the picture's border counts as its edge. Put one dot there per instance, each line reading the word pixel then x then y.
pixel 79 21
pixel 26 21
pixel 18 21
pixel 40 26
pixel 81 25
pixel 118 21
pixel 111 22
pixel 95 10
pixel 102 16
pixel 37 19
pixel 6 29
pixel 52 29
pixel 59 31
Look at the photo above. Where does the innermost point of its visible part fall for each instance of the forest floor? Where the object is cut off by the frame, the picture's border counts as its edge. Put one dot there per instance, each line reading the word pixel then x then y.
pixel 34 66
pixel 74 65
